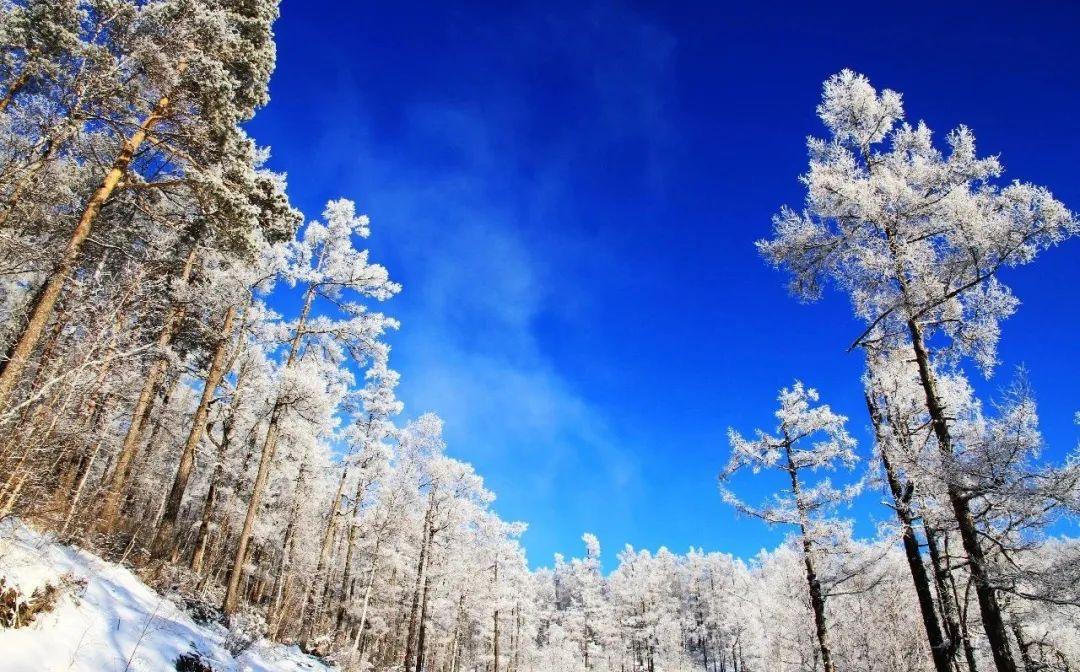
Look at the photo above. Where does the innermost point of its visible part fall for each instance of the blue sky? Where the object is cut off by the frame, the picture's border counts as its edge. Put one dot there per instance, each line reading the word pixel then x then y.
pixel 570 191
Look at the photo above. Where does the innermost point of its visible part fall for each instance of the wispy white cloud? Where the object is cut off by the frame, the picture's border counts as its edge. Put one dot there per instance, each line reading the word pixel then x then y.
pixel 461 194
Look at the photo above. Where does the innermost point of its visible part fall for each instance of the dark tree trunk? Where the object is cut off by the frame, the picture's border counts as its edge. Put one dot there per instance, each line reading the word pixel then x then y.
pixel 989 608
pixel 420 565
pixel 817 597
pixel 939 648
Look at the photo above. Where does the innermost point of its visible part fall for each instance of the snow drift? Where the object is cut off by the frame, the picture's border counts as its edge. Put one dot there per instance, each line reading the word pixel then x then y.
pixel 104 619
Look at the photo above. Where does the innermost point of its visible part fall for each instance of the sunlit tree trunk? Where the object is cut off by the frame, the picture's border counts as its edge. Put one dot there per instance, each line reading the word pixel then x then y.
pixel 367 596
pixel 45 301
pixel 266 458
pixel 13 90
pixel 165 541
pixel 308 611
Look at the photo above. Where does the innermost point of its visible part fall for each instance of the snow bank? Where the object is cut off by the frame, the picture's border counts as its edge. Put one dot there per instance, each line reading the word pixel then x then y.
pixel 116 622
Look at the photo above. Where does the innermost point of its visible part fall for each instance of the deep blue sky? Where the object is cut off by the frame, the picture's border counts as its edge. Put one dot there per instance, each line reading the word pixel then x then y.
pixel 570 191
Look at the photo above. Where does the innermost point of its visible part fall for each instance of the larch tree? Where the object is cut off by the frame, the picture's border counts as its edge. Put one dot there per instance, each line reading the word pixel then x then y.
pixel 330 268
pixel 808 437
pixel 916 237
pixel 888 382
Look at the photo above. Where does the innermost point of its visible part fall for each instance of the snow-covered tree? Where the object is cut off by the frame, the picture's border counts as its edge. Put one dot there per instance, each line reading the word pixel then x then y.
pixel 916 237
pixel 330 267
pixel 808 437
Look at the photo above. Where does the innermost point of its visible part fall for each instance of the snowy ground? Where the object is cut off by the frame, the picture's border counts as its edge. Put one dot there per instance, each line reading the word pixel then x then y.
pixel 115 622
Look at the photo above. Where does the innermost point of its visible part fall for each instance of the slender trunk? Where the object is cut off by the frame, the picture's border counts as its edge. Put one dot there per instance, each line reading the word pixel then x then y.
pixel 946 602
pixel 19 354
pixel 282 575
pixel 993 622
pixel 232 593
pixel 1025 649
pixel 198 556
pixel 281 597
pixel 421 637
pixel 13 497
pixel 228 426
pixel 817 598
pixel 939 648
pixel 350 544
pixel 165 542
pixel 455 642
pixel 307 614
pixel 421 563
pixel 495 626
pixel 495 642
pixel 367 596
pixel 990 610
pixel 84 474
pixel 139 415
pixel 950 608
pixel 273 433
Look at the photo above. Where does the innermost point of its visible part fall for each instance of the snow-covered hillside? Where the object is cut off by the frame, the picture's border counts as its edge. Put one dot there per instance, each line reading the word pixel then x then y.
pixel 107 620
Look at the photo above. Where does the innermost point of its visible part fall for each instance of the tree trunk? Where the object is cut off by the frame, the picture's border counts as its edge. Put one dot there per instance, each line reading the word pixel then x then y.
pixel 273 433
pixel 85 468
pixel 141 412
pixel 939 648
pixel 198 556
pixel 306 614
pixel 817 598
pixel 164 544
pixel 228 426
pixel 17 85
pixel 421 638
pixel 232 593
pixel 420 565
pixel 282 576
pixel 350 543
pixel 1025 649
pixel 495 626
pixel 19 354
pixel 367 596
pixel 993 623
pixel 947 597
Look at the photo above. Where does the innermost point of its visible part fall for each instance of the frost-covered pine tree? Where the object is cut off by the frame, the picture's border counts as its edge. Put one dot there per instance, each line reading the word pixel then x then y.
pixel 37 37
pixel 191 73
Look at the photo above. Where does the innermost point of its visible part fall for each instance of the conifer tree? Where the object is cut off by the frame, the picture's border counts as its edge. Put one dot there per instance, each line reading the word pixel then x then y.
pixel 916 237
pixel 807 438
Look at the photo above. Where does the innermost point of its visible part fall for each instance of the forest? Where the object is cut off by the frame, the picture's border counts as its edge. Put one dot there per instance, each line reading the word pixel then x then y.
pixel 196 383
